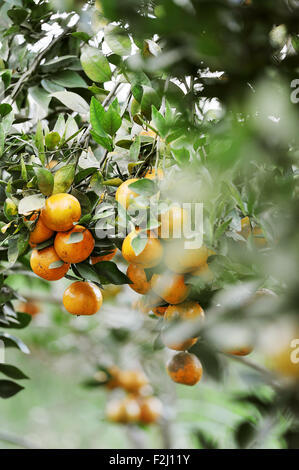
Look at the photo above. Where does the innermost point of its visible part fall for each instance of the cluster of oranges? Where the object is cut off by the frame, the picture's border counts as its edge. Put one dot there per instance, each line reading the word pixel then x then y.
pixel 138 405
pixel 72 244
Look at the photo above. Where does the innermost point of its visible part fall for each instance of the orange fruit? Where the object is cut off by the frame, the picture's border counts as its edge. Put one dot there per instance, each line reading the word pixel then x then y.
pixel 259 237
pixel 115 411
pixel 185 368
pixel 108 257
pixel 132 380
pixel 244 351
pixel 31 308
pixel 138 277
pixel 76 251
pixel 47 264
pixel 150 410
pixel 186 311
pixel 124 195
pixel 171 287
pixel 82 298
pixel 172 223
pixel 159 311
pixel 113 381
pixel 51 164
pixel 148 133
pixel 152 174
pixel 245 227
pixel 61 211
pixel 40 233
pixel 151 254
pixel 204 272
pixel 180 259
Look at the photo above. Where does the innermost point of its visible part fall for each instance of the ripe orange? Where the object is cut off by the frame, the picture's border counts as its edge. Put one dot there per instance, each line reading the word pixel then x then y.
pixel 180 259
pixel 152 174
pixel 108 257
pixel 113 381
pixel 29 307
pixel 150 410
pixel 82 298
pixel 185 368
pixel 151 254
pixel 132 380
pixel 172 223
pixel 76 251
pixel 204 272
pixel 148 133
pixel 159 311
pixel 42 260
pixel 126 410
pixel 186 311
pixel 138 277
pixel 61 211
pixel 124 195
pixel 171 287
pixel 40 233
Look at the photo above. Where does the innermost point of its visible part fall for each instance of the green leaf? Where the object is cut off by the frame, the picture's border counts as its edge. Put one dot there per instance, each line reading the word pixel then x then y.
pixel 88 272
pixel 39 142
pixel 18 15
pixel 12 372
pixel 135 149
pixel 95 64
pixel 23 170
pixel 52 140
pixel 5 109
pixel 181 156
pixel 106 142
pixel 13 250
pixel 138 243
pixel 45 181
pixel 111 121
pixel 72 100
pixel 22 320
pixel 118 40
pixel 12 341
pixel 110 271
pixel 81 35
pixel 149 98
pixel 63 179
pixel 2 139
pixel 69 79
pixel 145 187
pixel 159 122
pixel 31 203
pixel 97 112
pixel 9 389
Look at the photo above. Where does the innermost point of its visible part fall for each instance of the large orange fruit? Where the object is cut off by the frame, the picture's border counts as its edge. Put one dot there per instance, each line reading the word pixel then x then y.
pixel 82 298
pixel 139 280
pixel 185 368
pixel 187 311
pixel 40 233
pixel 124 195
pixel 180 259
pixel 170 287
pixel 47 264
pixel 61 211
pixel 76 251
pixel 108 257
pixel 151 254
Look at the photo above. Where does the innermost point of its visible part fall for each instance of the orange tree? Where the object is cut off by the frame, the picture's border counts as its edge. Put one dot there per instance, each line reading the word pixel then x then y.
pixel 111 111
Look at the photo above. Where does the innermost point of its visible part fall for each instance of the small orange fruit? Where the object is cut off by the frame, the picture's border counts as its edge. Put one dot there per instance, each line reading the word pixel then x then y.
pixel 40 233
pixel 186 311
pixel 150 410
pixel 139 280
pixel 82 298
pixel 132 380
pixel 124 195
pixel 52 164
pixel 159 311
pixel 171 287
pixel 108 257
pixel 245 227
pixel 185 368
pixel 259 237
pixel 76 251
pixel 180 259
pixel 151 254
pixel 61 211
pixel 31 308
pixel 47 264
pixel 115 411
pixel 113 381
pixel 152 174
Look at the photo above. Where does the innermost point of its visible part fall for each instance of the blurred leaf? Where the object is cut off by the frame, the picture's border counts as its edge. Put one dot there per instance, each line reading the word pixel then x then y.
pixel 9 389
